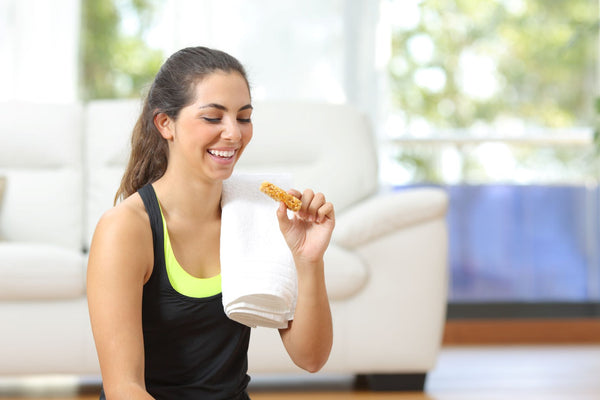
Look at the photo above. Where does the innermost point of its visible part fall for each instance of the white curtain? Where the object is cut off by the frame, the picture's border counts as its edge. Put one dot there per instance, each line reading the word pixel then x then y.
pixel 39 42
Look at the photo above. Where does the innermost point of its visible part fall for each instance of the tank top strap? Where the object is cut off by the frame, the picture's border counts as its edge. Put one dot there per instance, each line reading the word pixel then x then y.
pixel 150 200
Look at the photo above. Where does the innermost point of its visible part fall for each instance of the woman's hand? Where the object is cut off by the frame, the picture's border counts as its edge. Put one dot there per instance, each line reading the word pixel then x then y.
pixel 309 230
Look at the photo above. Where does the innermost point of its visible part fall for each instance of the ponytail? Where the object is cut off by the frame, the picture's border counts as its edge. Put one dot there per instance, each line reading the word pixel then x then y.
pixel 148 158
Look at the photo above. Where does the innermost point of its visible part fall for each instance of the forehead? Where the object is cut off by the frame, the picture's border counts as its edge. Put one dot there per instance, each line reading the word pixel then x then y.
pixel 228 86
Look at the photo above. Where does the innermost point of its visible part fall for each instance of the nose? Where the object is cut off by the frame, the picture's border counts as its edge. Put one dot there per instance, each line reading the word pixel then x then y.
pixel 232 130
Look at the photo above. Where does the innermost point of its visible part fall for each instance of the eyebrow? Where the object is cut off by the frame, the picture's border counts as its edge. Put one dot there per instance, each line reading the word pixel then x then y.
pixel 223 108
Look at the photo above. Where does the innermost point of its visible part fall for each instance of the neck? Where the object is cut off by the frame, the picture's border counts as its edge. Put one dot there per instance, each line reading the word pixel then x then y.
pixel 188 198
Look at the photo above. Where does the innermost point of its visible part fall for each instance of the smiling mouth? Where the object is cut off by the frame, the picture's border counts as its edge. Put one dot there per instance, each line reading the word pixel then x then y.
pixel 222 153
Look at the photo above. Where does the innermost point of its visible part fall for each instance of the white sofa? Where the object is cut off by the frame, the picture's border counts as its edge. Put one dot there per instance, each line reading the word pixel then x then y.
pixel 386 268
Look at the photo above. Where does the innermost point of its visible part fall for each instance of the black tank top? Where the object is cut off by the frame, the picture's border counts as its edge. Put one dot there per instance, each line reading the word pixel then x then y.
pixel 192 349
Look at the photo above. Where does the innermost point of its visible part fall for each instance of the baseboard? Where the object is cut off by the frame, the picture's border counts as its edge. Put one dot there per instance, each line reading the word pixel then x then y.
pixel 522 331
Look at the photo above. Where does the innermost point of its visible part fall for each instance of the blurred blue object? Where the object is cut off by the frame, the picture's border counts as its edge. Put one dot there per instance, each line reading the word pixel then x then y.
pixel 532 243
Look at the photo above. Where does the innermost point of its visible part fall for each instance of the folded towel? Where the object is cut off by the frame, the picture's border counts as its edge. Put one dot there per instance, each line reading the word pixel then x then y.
pixel 259 281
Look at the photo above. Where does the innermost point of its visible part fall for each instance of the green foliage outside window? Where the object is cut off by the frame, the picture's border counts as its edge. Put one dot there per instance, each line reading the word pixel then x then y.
pixel 544 51
pixel 116 63
pixel 478 63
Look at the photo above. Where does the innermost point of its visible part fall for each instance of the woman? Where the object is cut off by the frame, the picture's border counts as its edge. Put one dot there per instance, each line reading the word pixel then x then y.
pixel 155 340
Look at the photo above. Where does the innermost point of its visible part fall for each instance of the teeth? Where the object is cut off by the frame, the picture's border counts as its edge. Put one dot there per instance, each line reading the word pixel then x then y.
pixel 224 154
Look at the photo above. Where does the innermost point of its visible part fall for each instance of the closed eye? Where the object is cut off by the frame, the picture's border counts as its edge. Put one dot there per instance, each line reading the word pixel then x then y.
pixel 245 120
pixel 212 120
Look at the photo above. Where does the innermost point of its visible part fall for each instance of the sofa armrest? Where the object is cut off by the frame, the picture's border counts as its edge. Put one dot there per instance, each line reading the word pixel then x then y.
pixel 382 214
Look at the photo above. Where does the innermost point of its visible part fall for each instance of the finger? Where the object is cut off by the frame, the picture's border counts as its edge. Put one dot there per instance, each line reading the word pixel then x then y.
pixel 326 211
pixel 307 197
pixel 295 193
pixel 313 208
pixel 282 217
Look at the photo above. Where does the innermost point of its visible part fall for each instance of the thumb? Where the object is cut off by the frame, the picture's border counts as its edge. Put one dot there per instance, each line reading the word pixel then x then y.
pixel 282 217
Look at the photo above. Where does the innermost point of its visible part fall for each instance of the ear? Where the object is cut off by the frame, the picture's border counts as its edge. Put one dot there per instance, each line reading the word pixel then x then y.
pixel 164 124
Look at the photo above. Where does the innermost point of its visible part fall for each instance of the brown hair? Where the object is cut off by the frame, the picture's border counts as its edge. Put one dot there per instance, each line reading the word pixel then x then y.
pixel 172 89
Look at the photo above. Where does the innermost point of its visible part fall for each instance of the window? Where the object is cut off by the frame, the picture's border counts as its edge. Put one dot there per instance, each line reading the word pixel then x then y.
pixel 495 101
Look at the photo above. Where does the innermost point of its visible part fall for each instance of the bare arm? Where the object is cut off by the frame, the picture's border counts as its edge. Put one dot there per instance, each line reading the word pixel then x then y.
pixel 120 262
pixel 309 337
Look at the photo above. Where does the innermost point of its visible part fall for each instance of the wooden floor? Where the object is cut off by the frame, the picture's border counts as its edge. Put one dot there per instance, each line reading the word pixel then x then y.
pixel 463 373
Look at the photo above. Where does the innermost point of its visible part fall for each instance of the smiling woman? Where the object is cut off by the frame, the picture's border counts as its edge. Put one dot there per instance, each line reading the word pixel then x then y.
pixel 154 341
pixel 172 93
pixel 209 137
pixel 220 130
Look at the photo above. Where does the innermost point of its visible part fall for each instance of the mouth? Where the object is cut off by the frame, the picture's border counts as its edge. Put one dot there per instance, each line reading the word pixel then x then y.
pixel 223 154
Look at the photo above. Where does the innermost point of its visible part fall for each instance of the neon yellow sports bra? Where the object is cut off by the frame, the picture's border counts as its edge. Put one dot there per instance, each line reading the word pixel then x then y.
pixel 180 279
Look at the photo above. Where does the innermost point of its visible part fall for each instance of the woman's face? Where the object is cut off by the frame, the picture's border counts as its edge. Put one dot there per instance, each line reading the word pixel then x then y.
pixel 210 134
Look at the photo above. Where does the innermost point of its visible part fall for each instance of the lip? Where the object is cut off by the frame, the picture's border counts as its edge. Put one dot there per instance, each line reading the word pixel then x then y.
pixel 222 160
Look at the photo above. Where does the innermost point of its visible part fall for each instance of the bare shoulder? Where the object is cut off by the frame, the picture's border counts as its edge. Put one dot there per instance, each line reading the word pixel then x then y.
pixel 123 236
pixel 127 219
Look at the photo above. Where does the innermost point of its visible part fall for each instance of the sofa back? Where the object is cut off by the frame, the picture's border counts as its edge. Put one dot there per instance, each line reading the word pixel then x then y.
pixel 326 147
pixel 108 127
pixel 41 158
pixel 329 148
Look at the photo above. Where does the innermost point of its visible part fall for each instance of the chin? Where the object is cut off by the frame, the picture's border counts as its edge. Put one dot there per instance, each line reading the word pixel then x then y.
pixel 223 175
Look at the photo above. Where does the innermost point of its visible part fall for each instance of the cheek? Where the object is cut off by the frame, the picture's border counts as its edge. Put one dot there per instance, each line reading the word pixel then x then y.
pixel 246 138
pixel 247 135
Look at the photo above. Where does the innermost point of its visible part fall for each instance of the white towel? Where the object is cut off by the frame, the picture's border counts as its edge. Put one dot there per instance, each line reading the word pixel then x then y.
pixel 259 281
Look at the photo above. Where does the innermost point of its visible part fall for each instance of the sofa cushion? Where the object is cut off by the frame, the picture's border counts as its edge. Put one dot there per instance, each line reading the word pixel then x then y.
pixel 41 156
pixel 345 273
pixel 30 271
pixel 43 206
